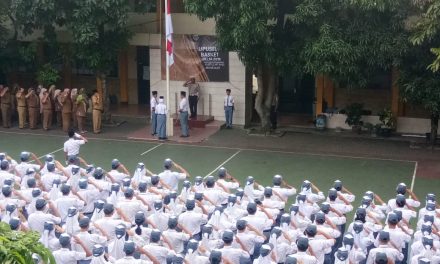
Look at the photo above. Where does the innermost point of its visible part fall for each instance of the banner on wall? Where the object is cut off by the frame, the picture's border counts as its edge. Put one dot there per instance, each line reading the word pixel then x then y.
pixel 198 56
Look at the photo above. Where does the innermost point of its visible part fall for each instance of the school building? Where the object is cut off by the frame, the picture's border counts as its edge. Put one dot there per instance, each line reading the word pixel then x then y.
pixel 140 70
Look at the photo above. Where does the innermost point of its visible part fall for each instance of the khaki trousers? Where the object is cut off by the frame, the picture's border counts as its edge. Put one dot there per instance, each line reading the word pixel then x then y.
pixel 75 120
pixel 66 121
pixel 97 121
pixel 47 118
pixel 81 123
pixel 33 117
pixel 6 115
pixel 21 116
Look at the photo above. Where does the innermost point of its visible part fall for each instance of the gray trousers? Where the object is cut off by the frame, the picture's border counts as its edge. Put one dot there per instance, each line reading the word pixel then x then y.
pixel 153 123
pixel 229 110
pixel 184 123
pixel 161 125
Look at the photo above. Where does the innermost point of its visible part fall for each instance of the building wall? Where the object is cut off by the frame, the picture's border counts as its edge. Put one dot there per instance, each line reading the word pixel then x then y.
pixel 213 90
pixel 373 99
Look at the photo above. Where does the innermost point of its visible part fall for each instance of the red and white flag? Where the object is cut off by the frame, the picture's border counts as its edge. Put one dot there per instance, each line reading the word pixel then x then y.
pixel 169 34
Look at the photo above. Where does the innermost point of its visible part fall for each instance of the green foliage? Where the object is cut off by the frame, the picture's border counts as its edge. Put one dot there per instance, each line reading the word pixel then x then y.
pixel 417 84
pixel 387 118
pixel 427 28
pixel 47 75
pixel 99 31
pixel 17 247
pixel 354 114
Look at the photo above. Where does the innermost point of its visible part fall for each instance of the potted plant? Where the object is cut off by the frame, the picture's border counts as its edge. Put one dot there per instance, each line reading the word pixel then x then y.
pixel 388 124
pixel 354 115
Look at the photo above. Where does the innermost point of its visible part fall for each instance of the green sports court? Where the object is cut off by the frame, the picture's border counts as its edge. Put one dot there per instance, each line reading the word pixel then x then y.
pixel 358 174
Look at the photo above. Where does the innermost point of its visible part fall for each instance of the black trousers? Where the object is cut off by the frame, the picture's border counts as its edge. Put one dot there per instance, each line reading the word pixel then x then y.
pixel 193 99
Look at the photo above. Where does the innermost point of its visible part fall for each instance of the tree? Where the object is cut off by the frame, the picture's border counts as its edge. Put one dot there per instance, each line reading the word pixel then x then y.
pixel 347 40
pixel 352 40
pixel 253 28
pixel 17 247
pixel 99 33
pixel 421 86
pixel 428 28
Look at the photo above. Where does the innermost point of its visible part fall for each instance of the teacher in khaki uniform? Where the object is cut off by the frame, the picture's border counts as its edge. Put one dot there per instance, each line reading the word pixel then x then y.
pixel 5 95
pixel 66 109
pixel 33 103
pixel 194 91
pixel 81 110
pixel 97 111
pixel 21 107
pixel 47 105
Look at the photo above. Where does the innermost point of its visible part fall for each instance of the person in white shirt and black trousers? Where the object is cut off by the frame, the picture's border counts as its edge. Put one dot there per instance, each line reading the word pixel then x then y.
pixel 153 103
pixel 183 115
pixel 229 108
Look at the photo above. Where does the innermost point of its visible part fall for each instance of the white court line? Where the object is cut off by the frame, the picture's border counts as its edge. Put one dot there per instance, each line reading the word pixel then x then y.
pixel 230 148
pixel 224 162
pixel 151 149
pixel 55 151
pixel 414 176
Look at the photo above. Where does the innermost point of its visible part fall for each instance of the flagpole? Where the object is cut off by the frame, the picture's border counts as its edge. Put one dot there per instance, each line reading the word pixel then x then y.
pixel 170 127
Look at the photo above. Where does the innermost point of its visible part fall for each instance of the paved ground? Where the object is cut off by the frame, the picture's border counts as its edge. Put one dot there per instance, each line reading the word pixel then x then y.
pixel 305 141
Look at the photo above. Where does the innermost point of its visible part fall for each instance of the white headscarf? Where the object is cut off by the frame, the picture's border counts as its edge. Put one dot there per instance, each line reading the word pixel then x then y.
pixel 56 93
pixel 72 226
pixel 73 93
pixel 54 193
pixel 116 248
pixel 139 175
pixel 97 214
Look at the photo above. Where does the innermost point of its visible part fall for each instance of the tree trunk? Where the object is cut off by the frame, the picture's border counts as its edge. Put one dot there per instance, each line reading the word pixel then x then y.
pixel 267 81
pixel 434 128
pixel 106 115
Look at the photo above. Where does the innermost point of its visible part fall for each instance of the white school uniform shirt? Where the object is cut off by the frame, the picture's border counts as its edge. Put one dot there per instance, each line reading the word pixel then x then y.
pixel 131 207
pixel 153 104
pixel 192 221
pixel 285 193
pixel 89 241
pixel 397 236
pixel 118 176
pixel 432 256
pixel 65 202
pixel 71 146
pixel 108 224
pixel 172 178
pixel 36 220
pixel 183 105
pixel 391 253
pixel 48 178
pixel 233 254
pixel 258 223
pixel 321 247
pixel 161 109
pixel 65 256
pixel 6 175
pixel 160 219
pixel 24 166
pixel 304 258
pixel 227 184
pixel 176 239
pixel 90 196
pixel 411 202
pixel 132 260
pixel 159 252
pixel 248 239
pixel 217 196
pixel 228 101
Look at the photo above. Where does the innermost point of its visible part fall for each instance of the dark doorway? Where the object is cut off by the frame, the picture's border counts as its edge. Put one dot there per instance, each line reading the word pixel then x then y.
pixel 143 74
pixel 296 95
